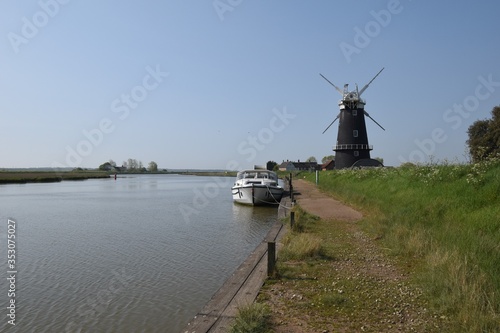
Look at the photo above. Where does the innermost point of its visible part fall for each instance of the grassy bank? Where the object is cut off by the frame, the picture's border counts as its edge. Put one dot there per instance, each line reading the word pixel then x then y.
pixel 22 177
pixel 443 223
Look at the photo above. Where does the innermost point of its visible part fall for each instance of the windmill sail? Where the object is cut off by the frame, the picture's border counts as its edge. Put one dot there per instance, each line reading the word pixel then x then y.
pixel 331 124
pixel 366 113
pixel 336 88
pixel 366 86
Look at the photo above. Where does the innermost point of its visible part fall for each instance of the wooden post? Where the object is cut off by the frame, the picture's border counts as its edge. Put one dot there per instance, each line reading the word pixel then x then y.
pixel 271 258
pixel 291 187
pixel 292 219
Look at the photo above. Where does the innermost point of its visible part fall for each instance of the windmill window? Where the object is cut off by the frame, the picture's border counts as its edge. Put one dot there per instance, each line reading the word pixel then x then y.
pixel 356 153
pixel 355 133
pixel 354 112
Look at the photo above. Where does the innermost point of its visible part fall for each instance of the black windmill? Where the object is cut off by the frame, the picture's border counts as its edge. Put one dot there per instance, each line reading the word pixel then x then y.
pixel 352 148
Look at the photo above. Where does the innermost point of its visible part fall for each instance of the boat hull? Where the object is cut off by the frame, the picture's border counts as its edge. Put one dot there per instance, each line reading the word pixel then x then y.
pixel 257 194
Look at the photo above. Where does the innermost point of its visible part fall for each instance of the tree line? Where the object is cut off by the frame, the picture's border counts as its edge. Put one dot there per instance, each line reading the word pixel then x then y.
pixel 484 137
pixel 130 165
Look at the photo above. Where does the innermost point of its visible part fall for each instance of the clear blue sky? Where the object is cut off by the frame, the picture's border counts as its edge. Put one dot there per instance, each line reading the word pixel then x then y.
pixel 212 84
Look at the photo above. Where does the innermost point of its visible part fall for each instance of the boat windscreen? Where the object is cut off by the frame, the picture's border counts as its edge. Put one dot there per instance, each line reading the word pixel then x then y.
pixel 261 175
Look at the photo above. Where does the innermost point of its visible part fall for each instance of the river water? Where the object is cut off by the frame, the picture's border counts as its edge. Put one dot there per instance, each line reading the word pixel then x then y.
pixel 137 254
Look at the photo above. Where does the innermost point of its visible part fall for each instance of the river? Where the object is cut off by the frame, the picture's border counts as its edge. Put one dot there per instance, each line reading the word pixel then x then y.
pixel 138 254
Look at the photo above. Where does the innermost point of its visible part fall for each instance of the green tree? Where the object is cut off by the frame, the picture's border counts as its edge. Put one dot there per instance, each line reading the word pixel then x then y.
pixel 270 165
pixel 328 158
pixel 105 166
pixel 312 159
pixel 484 137
pixel 152 166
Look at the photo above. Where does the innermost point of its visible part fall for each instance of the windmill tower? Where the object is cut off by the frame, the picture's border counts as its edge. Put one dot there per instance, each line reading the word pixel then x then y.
pixel 352 148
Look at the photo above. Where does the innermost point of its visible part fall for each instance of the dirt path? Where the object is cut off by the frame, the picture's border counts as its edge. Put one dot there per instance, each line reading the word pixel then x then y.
pixel 358 289
pixel 317 203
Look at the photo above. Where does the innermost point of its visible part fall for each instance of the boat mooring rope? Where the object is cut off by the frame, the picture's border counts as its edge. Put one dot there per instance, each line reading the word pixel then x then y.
pixel 275 201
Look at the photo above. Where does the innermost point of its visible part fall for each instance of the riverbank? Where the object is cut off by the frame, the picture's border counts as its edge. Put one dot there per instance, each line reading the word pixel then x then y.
pixel 23 177
pixel 424 257
pixel 242 287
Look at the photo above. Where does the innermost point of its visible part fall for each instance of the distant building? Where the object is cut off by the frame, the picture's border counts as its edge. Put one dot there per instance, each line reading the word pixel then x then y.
pixel 328 165
pixel 120 169
pixel 298 166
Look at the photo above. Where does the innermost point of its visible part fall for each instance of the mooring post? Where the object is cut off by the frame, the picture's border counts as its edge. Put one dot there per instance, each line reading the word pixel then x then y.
pixel 292 219
pixel 271 258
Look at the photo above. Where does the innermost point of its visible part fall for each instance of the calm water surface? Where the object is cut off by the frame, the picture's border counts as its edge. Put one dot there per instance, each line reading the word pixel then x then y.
pixel 139 254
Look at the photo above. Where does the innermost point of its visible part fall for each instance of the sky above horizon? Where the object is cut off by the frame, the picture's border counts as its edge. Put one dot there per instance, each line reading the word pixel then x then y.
pixel 228 84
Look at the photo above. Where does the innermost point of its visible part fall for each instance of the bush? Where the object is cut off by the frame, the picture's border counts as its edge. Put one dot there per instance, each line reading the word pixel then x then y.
pixel 253 318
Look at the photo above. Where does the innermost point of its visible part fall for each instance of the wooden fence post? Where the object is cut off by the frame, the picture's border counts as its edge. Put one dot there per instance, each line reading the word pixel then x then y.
pixel 292 219
pixel 271 258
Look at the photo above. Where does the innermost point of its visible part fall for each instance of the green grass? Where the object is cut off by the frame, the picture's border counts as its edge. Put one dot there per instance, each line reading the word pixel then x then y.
pixel 443 221
pixel 21 177
pixel 253 318
pixel 302 243
pixel 300 246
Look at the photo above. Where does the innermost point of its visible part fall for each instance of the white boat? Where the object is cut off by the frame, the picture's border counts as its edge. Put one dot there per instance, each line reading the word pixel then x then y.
pixel 257 187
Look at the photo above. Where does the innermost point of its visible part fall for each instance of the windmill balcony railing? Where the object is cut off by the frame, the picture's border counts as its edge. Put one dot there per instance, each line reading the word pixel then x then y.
pixel 353 146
